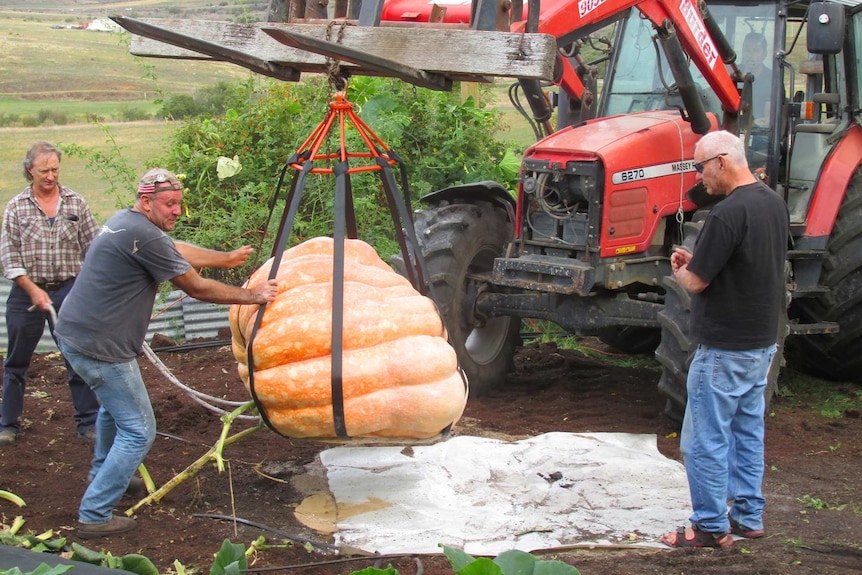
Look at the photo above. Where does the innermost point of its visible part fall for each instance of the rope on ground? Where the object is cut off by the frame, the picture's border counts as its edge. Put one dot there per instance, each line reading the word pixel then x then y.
pixel 202 398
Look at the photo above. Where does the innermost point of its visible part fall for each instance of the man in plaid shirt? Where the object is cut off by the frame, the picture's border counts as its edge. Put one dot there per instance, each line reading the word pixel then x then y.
pixel 46 232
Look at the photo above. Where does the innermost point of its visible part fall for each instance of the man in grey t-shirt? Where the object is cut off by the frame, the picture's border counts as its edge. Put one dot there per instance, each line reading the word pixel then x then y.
pixel 103 323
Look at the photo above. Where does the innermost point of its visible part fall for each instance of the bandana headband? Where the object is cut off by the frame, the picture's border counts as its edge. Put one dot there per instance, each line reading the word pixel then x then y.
pixel 160 183
pixel 157 187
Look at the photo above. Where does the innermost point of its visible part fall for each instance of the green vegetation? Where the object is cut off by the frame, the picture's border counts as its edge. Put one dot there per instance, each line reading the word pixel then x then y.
pixel 140 143
pixel 54 83
pixel 41 63
pixel 441 141
pixel 33 113
pixel 547 332
pixel 820 504
pixel 829 399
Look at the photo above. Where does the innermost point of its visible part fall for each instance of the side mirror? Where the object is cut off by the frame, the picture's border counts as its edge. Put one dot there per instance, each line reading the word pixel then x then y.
pixel 825 28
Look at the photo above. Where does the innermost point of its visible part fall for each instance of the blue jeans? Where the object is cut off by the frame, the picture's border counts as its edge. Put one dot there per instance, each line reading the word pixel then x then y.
pixel 125 431
pixel 722 436
pixel 25 330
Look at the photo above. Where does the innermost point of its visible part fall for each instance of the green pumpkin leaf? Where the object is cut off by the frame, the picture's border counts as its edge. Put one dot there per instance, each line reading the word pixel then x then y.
pixel 230 559
pixel 481 566
pixel 390 570
pixel 138 564
pixel 457 558
pixel 43 569
pixel 87 555
pixel 554 568
pixel 516 562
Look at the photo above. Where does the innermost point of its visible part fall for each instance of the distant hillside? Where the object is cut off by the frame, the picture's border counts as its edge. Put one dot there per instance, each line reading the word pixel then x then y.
pixel 202 9
pixel 48 56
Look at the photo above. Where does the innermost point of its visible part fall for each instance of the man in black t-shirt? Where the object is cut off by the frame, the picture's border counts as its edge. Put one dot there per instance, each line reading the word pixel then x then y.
pixel 736 278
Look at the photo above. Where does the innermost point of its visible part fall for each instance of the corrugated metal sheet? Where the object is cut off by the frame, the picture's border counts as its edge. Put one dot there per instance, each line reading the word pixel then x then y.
pixel 179 317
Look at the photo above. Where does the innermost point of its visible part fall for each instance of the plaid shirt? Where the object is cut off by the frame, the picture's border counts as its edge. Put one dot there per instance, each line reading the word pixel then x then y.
pixel 31 245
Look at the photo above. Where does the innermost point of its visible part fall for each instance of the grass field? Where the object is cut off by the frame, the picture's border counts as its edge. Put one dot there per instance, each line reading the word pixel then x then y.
pixel 81 73
pixel 77 109
pixel 44 64
pixel 85 73
pixel 141 141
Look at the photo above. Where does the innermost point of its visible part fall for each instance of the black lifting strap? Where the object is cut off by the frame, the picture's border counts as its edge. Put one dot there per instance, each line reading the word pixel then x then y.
pixel 297 186
pixel 416 270
pixel 345 227
pixel 342 186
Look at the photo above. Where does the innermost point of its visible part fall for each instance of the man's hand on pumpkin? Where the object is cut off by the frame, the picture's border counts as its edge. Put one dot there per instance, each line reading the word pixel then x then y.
pixel 265 292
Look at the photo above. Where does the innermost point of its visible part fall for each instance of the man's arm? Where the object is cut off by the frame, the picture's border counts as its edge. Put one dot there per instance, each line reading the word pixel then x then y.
pixel 214 291
pixel 200 257
pixel 687 279
pixel 13 264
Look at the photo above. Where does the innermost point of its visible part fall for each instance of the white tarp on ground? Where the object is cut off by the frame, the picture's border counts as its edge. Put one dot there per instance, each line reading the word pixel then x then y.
pixel 486 496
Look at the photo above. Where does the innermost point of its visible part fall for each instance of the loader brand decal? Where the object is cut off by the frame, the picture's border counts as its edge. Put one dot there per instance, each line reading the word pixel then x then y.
pixel 701 36
pixel 646 173
pixel 587 6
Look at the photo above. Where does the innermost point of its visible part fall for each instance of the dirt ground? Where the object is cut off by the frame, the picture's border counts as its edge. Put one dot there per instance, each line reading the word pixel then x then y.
pixel 814 465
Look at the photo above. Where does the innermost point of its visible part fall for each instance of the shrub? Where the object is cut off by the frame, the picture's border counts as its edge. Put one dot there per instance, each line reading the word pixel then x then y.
pixel 179 106
pixel 441 141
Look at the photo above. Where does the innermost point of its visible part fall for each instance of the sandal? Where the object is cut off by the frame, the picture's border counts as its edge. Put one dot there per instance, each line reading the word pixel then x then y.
pixel 738 529
pixel 694 537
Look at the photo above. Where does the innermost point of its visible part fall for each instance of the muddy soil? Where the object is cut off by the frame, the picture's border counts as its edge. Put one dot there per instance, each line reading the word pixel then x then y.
pixel 814 466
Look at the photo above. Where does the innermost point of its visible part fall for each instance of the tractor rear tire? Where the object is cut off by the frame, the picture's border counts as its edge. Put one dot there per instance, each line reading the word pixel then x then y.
pixel 631 339
pixel 459 240
pixel 837 356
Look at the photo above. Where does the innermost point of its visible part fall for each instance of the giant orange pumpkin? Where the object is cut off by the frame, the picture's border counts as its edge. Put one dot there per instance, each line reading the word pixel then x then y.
pixel 400 376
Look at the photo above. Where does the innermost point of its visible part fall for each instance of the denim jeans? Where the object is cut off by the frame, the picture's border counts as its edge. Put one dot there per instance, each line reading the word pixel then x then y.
pixel 722 436
pixel 25 329
pixel 125 430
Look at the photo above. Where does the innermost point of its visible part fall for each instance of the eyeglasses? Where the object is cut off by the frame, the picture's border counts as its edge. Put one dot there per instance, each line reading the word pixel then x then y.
pixel 699 165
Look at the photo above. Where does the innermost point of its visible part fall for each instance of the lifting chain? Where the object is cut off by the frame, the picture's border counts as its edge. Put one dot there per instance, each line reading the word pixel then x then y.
pixel 337 76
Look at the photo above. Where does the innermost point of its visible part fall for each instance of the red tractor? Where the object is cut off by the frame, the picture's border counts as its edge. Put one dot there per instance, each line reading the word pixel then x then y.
pixel 604 199
pixel 606 193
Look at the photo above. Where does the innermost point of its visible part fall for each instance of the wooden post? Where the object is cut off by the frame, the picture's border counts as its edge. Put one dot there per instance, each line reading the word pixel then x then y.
pixel 316 9
pixel 340 9
pixel 278 11
pixel 296 10
pixel 470 89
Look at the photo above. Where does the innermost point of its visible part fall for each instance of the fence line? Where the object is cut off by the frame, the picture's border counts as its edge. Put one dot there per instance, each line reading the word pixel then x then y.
pixel 186 319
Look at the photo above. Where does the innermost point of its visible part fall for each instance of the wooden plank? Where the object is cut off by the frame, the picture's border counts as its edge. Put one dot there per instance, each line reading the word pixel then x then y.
pixel 194 48
pixel 458 54
pixel 340 52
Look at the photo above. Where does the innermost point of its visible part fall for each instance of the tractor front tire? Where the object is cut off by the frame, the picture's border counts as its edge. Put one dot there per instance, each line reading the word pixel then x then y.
pixel 459 240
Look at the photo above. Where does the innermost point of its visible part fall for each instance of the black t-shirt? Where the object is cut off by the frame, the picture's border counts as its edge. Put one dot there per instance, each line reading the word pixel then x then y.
pixel 741 253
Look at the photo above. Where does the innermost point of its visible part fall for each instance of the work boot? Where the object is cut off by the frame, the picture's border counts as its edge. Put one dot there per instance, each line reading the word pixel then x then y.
pixel 115 526
pixel 136 487
pixel 88 436
pixel 7 437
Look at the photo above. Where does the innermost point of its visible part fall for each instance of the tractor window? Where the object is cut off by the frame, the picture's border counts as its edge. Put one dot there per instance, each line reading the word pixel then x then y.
pixel 753 39
pixel 638 83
